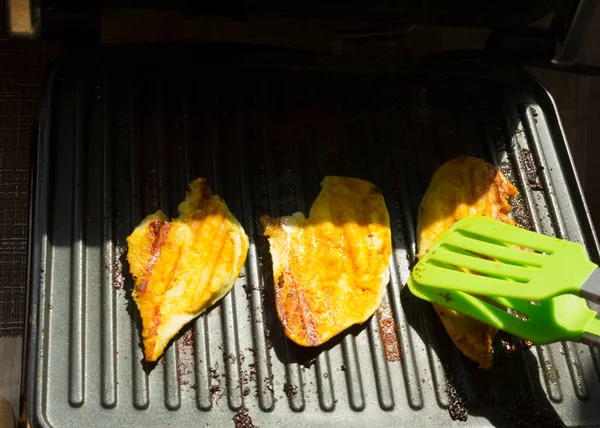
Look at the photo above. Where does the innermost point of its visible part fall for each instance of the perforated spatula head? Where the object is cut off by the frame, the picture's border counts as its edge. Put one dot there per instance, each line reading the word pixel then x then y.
pixel 479 255
pixel 492 272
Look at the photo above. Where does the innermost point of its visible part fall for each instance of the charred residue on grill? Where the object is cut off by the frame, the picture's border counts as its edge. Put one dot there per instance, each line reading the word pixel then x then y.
pixel 389 333
pixel 246 378
pixel 531 170
pixel 520 211
pixel 215 386
pixel 505 352
pixel 185 346
pixel 526 344
pixel 528 413
pixel 290 389
pixel 458 403
pixel 119 262
pixel 534 113
pixel 248 290
pixel 242 419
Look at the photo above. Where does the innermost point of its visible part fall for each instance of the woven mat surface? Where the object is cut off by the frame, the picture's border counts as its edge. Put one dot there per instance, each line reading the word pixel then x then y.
pixel 22 65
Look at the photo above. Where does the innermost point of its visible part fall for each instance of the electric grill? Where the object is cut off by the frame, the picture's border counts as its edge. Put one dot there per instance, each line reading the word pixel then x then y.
pixel 122 131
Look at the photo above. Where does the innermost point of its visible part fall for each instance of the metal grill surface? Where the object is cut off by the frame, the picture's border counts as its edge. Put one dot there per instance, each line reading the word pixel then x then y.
pixel 122 135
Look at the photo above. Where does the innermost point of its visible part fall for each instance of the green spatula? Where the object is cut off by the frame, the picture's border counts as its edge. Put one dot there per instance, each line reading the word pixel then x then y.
pixel 530 285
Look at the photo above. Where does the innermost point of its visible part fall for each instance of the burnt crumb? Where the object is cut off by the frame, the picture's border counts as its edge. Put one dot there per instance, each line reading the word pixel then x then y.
pixel 343 368
pixel 528 413
pixel 246 378
pixel 242 419
pixel 290 389
pixel 459 406
pixel 526 344
pixel 216 380
pixel 268 384
pixel 194 386
pixel 534 113
pixel 307 363
pixel 187 341
pixel 506 352
pixel 248 290
pixel 242 275
pixel 229 357
pixel 535 185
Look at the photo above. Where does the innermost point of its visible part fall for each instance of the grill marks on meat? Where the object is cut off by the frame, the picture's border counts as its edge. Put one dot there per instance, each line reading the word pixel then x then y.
pixel 159 230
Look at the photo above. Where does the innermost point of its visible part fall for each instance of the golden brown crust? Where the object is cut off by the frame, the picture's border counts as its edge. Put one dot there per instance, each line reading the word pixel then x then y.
pixel 182 267
pixel 462 187
pixel 330 269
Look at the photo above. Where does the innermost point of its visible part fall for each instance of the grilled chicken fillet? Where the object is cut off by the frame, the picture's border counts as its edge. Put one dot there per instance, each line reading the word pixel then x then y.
pixel 460 188
pixel 184 266
pixel 330 269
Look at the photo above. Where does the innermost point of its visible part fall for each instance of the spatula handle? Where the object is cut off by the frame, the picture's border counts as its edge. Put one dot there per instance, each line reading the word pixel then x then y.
pixel 590 289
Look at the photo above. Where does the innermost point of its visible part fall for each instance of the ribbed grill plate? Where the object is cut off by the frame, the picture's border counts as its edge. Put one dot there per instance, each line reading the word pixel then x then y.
pixel 122 133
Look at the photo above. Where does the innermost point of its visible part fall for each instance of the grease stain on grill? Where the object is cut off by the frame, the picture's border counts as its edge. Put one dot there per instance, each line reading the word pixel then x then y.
pixel 389 333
